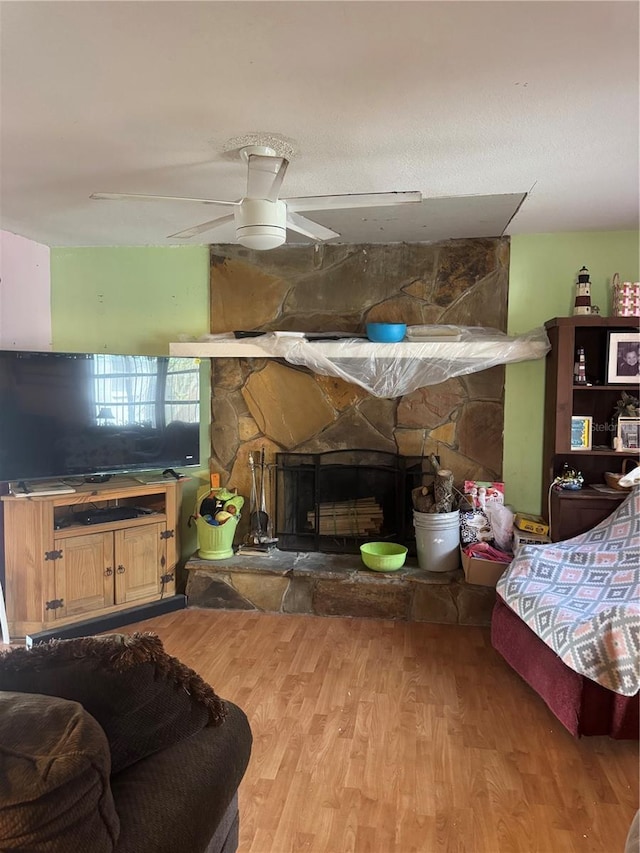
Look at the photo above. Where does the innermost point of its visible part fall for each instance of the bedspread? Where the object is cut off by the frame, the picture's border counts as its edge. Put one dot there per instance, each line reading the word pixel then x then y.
pixel 582 597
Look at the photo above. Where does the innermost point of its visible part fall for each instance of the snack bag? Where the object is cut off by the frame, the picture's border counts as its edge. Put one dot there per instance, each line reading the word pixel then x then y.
pixel 475 527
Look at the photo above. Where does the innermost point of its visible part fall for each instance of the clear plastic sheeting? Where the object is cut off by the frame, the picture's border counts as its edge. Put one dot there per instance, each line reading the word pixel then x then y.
pixel 383 369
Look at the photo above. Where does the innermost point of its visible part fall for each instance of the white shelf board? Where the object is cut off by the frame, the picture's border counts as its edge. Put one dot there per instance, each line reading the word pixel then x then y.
pixel 355 348
pixel 219 349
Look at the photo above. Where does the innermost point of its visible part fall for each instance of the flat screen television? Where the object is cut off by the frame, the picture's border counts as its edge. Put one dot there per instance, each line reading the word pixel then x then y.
pixel 85 414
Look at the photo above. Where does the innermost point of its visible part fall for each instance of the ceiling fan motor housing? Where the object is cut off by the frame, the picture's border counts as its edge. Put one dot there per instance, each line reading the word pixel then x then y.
pixel 261 224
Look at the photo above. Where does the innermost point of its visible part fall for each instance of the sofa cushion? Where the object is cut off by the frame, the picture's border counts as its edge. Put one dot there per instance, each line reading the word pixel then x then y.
pixel 54 777
pixel 144 699
pixel 178 799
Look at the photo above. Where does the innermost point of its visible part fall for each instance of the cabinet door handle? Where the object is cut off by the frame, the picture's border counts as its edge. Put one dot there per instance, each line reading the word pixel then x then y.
pixel 120 570
pixel 108 571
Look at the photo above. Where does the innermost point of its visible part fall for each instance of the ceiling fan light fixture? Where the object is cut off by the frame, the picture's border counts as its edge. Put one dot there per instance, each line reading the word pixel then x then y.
pixel 261 224
pixel 261 237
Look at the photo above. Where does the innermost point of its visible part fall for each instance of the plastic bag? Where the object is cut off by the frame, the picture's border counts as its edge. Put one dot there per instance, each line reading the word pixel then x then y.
pixel 394 369
pixel 501 521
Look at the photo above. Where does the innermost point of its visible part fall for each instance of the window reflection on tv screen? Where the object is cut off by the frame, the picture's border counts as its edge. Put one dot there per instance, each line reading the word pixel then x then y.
pixel 71 414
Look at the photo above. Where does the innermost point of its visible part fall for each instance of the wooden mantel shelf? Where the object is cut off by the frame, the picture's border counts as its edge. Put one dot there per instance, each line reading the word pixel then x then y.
pixel 514 349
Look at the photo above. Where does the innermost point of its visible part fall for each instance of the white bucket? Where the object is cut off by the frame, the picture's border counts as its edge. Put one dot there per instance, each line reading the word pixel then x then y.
pixel 437 540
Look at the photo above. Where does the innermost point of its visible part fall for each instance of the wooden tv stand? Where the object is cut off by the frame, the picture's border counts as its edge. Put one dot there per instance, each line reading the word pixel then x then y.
pixel 59 571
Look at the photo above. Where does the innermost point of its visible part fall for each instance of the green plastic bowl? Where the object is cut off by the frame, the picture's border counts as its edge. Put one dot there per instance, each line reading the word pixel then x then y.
pixel 383 556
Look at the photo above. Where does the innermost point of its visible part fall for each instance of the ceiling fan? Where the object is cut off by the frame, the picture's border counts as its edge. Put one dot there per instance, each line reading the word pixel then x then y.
pixel 262 217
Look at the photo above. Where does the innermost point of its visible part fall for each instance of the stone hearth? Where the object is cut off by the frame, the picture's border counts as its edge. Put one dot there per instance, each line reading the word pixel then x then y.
pixel 336 585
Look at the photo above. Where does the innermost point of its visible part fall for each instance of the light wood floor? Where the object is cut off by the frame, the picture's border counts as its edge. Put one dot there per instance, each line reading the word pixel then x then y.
pixel 391 737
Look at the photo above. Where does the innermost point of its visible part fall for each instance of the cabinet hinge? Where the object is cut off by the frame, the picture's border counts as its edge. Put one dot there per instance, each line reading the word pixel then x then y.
pixel 166 578
pixel 53 555
pixel 54 604
pixel 167 534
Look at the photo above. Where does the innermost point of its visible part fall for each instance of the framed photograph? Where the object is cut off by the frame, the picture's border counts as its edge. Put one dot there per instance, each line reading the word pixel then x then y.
pixel 628 434
pixel 623 358
pixel 581 427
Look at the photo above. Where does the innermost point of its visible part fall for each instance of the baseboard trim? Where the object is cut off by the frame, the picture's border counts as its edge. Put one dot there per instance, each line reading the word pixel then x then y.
pixel 100 624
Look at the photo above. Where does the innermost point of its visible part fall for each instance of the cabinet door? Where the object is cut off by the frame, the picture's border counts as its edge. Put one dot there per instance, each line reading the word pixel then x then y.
pixel 140 560
pixel 575 513
pixel 83 574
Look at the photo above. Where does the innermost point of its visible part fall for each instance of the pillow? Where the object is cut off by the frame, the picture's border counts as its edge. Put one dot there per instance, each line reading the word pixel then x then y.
pixel 144 699
pixel 54 782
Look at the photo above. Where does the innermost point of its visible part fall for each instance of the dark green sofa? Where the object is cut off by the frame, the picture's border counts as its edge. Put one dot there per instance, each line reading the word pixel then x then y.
pixel 108 745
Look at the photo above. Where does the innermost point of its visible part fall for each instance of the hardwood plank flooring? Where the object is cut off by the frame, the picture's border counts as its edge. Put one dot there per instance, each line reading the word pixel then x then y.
pixel 375 736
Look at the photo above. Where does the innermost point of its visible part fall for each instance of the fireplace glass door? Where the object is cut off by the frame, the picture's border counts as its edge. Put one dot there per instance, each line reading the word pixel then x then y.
pixel 337 500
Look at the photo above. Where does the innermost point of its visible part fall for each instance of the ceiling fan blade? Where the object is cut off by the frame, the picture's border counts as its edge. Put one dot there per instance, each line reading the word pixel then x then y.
pixel 143 197
pixel 346 201
pixel 265 176
pixel 310 229
pixel 205 226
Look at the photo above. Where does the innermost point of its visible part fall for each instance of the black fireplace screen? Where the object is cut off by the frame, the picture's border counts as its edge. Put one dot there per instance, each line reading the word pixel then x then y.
pixel 335 501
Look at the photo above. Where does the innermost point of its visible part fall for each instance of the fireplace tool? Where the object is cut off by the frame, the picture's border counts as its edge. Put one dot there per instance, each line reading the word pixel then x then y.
pixel 265 522
pixel 256 527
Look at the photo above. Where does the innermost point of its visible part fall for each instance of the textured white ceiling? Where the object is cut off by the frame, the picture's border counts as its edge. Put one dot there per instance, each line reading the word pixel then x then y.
pixel 449 98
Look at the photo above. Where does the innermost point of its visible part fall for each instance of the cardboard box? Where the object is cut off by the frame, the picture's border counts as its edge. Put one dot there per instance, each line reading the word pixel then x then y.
pixel 523 537
pixel 482 572
pixel 531 523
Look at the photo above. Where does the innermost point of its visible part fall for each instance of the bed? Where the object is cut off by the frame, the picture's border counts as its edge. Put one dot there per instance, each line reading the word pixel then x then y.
pixel 567 620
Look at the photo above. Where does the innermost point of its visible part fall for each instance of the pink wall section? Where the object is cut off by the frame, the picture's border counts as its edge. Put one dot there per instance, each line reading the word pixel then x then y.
pixel 25 294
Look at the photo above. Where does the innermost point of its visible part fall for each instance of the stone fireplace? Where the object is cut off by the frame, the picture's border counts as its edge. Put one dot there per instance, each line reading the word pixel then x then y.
pixel 269 403
pixel 307 422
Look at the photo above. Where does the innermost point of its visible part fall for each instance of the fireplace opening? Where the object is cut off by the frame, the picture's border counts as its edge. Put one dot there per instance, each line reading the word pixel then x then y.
pixel 335 501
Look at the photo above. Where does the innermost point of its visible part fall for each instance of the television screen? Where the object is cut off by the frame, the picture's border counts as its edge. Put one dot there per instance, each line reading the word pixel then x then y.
pixel 75 414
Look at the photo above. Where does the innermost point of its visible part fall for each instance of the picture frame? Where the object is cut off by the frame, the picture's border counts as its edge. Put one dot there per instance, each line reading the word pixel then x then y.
pixel 628 434
pixel 581 430
pixel 623 358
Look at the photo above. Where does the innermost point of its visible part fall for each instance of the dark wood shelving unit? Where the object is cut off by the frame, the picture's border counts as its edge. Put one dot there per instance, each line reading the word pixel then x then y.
pixel 573 512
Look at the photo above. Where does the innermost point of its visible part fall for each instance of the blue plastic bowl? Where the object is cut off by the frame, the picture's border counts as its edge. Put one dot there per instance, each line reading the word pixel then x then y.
pixel 386 333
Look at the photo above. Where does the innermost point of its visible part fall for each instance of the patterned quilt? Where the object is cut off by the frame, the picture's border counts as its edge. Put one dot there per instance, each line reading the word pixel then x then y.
pixel 582 597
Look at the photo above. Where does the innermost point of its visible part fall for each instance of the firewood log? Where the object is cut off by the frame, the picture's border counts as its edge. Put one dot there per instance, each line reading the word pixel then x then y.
pixel 421 498
pixel 443 490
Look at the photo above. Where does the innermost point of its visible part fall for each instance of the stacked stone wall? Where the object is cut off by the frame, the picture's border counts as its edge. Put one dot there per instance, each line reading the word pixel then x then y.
pixel 267 403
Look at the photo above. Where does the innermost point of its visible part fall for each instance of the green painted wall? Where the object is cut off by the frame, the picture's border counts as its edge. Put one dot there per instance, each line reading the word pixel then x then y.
pixel 542 276
pixel 131 300
pixel 136 300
